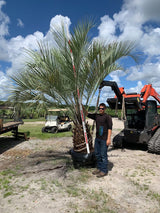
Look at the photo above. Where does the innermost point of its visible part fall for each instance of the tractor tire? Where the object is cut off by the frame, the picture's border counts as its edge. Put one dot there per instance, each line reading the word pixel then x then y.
pixel 54 129
pixel 44 130
pixel 118 140
pixel 154 143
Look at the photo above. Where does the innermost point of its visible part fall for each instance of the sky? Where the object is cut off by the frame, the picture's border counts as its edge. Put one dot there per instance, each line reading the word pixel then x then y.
pixel 24 22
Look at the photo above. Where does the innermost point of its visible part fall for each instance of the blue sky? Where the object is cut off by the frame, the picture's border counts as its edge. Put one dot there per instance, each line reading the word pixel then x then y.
pixel 36 15
pixel 23 22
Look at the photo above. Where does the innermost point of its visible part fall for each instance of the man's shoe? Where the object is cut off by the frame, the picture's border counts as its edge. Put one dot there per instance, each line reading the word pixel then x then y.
pixel 101 174
pixel 96 172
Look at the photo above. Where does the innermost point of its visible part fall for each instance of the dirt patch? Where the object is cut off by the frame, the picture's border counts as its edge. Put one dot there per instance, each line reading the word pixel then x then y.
pixel 38 176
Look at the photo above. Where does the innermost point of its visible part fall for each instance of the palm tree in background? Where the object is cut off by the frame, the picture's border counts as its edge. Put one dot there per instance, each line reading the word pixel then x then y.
pixel 48 75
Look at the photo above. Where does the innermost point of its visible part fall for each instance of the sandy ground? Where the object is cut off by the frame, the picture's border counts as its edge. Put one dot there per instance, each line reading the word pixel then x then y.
pixel 38 176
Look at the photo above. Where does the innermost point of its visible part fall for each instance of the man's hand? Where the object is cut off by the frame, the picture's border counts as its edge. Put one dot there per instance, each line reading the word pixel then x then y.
pixel 108 142
pixel 85 111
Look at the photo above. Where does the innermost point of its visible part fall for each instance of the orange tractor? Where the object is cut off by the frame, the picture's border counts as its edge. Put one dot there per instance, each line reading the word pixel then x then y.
pixel 142 120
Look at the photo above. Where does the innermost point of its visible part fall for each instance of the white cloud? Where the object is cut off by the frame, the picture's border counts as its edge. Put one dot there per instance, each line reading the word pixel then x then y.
pixel 59 20
pixel 20 23
pixel 16 50
pixel 4 21
pixel 4 86
pixel 150 10
pixel 3 49
pixel 149 42
pixel 116 75
pixel 149 72
pixel 13 50
pixel 56 23
pixel 135 22
pixel 131 23
pixel 107 29
pixel 17 45
pixel 106 92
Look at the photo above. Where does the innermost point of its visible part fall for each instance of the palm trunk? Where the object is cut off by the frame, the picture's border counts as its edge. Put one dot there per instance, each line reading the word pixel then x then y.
pixel 79 144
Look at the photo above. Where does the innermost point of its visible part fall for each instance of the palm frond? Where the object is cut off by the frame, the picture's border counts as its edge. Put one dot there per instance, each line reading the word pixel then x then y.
pixel 48 73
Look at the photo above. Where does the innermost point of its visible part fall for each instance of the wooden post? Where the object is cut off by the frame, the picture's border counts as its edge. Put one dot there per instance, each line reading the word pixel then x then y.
pixel 16 132
pixel 1 123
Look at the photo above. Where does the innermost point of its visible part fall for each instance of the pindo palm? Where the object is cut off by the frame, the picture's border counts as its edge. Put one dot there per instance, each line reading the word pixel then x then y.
pixel 48 74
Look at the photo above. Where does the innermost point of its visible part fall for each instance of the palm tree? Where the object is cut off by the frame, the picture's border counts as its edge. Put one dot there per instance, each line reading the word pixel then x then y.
pixel 49 75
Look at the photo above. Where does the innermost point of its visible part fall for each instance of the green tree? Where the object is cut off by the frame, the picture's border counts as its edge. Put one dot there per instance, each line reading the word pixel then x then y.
pixel 49 76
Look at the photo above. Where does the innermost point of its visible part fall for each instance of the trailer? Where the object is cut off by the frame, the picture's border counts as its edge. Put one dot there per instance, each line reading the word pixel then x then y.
pixel 10 125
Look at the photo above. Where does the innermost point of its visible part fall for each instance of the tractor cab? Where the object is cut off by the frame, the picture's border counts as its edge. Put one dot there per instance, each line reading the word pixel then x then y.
pixel 141 119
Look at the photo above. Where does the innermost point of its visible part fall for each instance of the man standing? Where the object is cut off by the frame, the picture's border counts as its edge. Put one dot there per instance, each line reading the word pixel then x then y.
pixel 102 140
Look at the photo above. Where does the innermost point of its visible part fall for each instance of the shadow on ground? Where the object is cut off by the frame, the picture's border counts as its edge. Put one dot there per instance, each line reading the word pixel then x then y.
pixel 142 147
pixel 7 143
pixel 131 146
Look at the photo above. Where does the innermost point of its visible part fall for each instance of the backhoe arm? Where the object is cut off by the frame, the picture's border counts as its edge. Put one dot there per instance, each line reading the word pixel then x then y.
pixel 118 91
pixel 148 91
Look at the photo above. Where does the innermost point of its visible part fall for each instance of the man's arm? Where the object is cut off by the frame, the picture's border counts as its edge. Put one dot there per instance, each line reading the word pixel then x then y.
pixel 89 115
pixel 108 142
pixel 110 124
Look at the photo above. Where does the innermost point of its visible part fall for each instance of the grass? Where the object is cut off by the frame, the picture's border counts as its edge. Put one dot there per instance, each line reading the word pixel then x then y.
pixel 35 131
pixel 73 191
pixel 56 183
pixel 5 180
pixel 25 120
pixel 154 195
pixel 33 120
pixel 97 201
pixel 151 194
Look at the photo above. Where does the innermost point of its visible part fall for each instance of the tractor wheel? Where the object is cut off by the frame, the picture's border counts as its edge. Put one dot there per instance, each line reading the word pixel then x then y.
pixel 43 130
pixel 154 143
pixel 54 129
pixel 118 140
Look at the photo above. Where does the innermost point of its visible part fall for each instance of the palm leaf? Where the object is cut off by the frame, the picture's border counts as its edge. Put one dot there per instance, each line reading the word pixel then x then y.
pixel 48 72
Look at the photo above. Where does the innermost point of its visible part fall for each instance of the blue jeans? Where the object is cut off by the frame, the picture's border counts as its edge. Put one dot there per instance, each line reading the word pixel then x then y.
pixel 100 149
